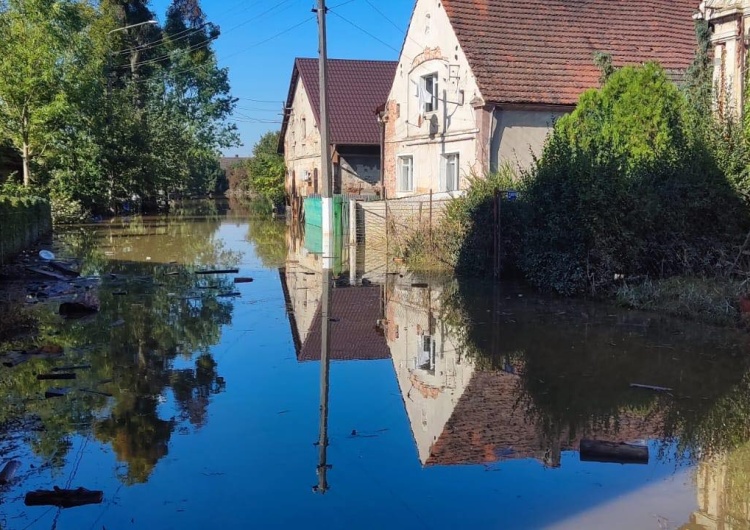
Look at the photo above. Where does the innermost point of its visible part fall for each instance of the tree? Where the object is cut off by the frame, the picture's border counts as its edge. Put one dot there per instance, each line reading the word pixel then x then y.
pixel 265 170
pixel 43 45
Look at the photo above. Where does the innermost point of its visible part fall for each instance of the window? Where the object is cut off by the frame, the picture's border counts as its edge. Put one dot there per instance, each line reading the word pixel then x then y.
pixel 304 128
pixel 428 93
pixel 450 172
pixel 405 173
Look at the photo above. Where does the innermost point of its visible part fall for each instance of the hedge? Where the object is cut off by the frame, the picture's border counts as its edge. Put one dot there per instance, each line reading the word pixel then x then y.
pixel 22 221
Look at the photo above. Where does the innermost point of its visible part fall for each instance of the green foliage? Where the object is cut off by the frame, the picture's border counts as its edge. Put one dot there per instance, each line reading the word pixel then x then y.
pixel 622 189
pixel 66 209
pixel 105 113
pixel 22 221
pixel 464 237
pixel 266 170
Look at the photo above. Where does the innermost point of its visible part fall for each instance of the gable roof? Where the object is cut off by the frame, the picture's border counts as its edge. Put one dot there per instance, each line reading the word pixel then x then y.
pixel 355 90
pixel 542 51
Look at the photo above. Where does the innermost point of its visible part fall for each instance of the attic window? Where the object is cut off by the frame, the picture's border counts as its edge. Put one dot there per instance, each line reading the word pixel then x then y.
pixel 428 93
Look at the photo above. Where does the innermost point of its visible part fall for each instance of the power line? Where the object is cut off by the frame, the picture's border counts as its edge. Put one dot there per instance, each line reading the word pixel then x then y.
pixel 381 41
pixel 384 16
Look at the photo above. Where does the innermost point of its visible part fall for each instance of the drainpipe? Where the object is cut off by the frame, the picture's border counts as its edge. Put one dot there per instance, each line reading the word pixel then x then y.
pixel 381 121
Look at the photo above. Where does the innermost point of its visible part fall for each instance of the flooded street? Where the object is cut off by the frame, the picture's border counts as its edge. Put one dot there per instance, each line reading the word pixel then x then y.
pixel 452 404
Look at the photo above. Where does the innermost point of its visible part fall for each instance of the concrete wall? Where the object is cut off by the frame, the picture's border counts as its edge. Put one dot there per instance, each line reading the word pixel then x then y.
pixel 519 135
pixel 430 47
pixel 358 174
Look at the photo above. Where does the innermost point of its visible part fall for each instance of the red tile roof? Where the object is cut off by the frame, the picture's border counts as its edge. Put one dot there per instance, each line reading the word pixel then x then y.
pixel 541 51
pixel 354 334
pixel 355 90
pixel 491 424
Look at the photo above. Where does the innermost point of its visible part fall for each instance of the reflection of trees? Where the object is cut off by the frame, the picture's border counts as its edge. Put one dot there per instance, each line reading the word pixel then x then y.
pixel 268 235
pixel 576 361
pixel 165 317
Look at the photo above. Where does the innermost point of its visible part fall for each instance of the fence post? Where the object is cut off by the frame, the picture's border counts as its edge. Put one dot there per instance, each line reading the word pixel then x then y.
pixel 432 247
pixel 352 242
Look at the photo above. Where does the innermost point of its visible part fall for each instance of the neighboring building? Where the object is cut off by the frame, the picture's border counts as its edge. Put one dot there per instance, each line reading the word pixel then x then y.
pixel 481 83
pixel 355 90
pixel 730 34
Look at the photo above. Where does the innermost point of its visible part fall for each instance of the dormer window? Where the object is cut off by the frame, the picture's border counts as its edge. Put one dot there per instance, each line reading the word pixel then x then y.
pixel 428 93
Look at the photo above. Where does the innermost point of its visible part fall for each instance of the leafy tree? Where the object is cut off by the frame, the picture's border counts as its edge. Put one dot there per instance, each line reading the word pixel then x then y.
pixel 266 170
pixel 43 46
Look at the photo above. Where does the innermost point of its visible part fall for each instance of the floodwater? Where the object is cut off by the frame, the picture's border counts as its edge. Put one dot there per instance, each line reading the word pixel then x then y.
pixel 451 404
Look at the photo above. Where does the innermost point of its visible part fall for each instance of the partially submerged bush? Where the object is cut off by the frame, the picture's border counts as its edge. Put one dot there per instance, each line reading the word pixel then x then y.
pixel 621 190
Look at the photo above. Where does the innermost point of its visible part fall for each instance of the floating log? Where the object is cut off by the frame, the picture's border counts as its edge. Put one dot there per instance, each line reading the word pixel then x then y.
pixel 47 377
pixel 56 392
pixel 63 498
pixel 77 309
pixel 9 471
pixel 49 274
pixel 95 392
pixel 218 271
pixel 613 452
pixel 651 387
pixel 74 367
pixel 228 295
pixel 243 280
pixel 64 269
pixel 420 285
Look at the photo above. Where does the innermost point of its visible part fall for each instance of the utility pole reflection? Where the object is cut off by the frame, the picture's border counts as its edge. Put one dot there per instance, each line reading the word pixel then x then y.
pixel 325 367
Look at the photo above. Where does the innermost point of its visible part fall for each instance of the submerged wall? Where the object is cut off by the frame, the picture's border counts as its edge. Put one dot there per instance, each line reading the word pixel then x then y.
pixel 22 221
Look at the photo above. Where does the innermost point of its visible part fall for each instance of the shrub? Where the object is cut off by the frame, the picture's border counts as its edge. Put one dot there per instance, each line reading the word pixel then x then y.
pixel 622 189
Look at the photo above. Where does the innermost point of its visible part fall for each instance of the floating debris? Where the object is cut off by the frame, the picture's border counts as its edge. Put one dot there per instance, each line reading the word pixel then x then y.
pixel 218 271
pixel 49 377
pixel 243 280
pixel 613 452
pixel 9 471
pixel 651 387
pixel 63 498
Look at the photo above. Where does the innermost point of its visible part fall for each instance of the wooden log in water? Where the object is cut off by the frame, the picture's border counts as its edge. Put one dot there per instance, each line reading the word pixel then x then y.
pixel 64 269
pixel 49 274
pixel 56 392
pixel 651 387
pixel 48 377
pixel 14 358
pixel 9 471
pixel 228 295
pixel 63 498
pixel 218 271
pixel 613 452
pixel 243 280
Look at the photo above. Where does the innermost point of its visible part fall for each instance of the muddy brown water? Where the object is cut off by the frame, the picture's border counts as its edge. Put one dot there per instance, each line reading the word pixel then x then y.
pixel 453 404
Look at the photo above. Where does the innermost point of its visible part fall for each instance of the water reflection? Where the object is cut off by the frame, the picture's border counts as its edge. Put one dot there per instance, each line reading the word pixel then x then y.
pixel 148 345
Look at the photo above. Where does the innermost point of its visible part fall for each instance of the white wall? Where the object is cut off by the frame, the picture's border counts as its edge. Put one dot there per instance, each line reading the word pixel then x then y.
pixel 431 46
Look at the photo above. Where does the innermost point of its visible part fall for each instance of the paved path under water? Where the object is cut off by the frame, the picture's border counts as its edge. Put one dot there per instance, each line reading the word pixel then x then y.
pixel 453 404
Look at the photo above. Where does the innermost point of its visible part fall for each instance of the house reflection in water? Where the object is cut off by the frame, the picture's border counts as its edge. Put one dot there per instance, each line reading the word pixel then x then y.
pixel 461 414
pixel 355 312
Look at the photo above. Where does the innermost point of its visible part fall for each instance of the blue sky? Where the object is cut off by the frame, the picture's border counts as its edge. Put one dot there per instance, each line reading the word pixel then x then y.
pixel 261 38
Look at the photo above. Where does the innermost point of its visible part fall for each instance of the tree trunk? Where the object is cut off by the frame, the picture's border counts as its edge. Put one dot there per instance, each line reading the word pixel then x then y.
pixel 26 169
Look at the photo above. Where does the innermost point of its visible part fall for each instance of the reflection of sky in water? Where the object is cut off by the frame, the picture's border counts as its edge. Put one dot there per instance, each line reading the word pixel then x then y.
pixel 252 463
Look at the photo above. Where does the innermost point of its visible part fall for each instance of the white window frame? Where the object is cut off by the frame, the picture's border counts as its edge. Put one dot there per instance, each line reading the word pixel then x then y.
pixel 430 103
pixel 400 166
pixel 445 160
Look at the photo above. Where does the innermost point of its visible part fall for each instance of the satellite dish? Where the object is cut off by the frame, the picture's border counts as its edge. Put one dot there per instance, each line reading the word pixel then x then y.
pixel 46 255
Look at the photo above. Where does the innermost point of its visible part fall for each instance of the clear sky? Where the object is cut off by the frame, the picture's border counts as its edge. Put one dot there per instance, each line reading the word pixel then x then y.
pixel 260 39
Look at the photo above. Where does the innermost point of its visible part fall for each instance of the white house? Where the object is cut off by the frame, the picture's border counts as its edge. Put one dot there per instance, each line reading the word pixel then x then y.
pixel 480 83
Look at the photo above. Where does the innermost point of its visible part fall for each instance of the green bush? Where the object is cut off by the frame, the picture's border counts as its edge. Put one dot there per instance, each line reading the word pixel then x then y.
pixel 66 209
pixel 464 238
pixel 623 189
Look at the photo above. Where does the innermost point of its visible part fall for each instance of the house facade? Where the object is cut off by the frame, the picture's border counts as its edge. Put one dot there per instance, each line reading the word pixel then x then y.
pixel 480 84
pixel 355 90
pixel 729 22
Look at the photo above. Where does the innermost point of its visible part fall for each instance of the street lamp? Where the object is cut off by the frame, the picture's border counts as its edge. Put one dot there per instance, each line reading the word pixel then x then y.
pixel 148 22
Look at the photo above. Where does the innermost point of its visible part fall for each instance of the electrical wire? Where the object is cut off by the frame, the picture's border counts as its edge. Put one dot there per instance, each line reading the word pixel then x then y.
pixel 361 29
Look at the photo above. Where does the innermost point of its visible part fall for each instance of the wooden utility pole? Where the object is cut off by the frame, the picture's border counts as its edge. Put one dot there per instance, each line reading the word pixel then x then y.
pixel 326 273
